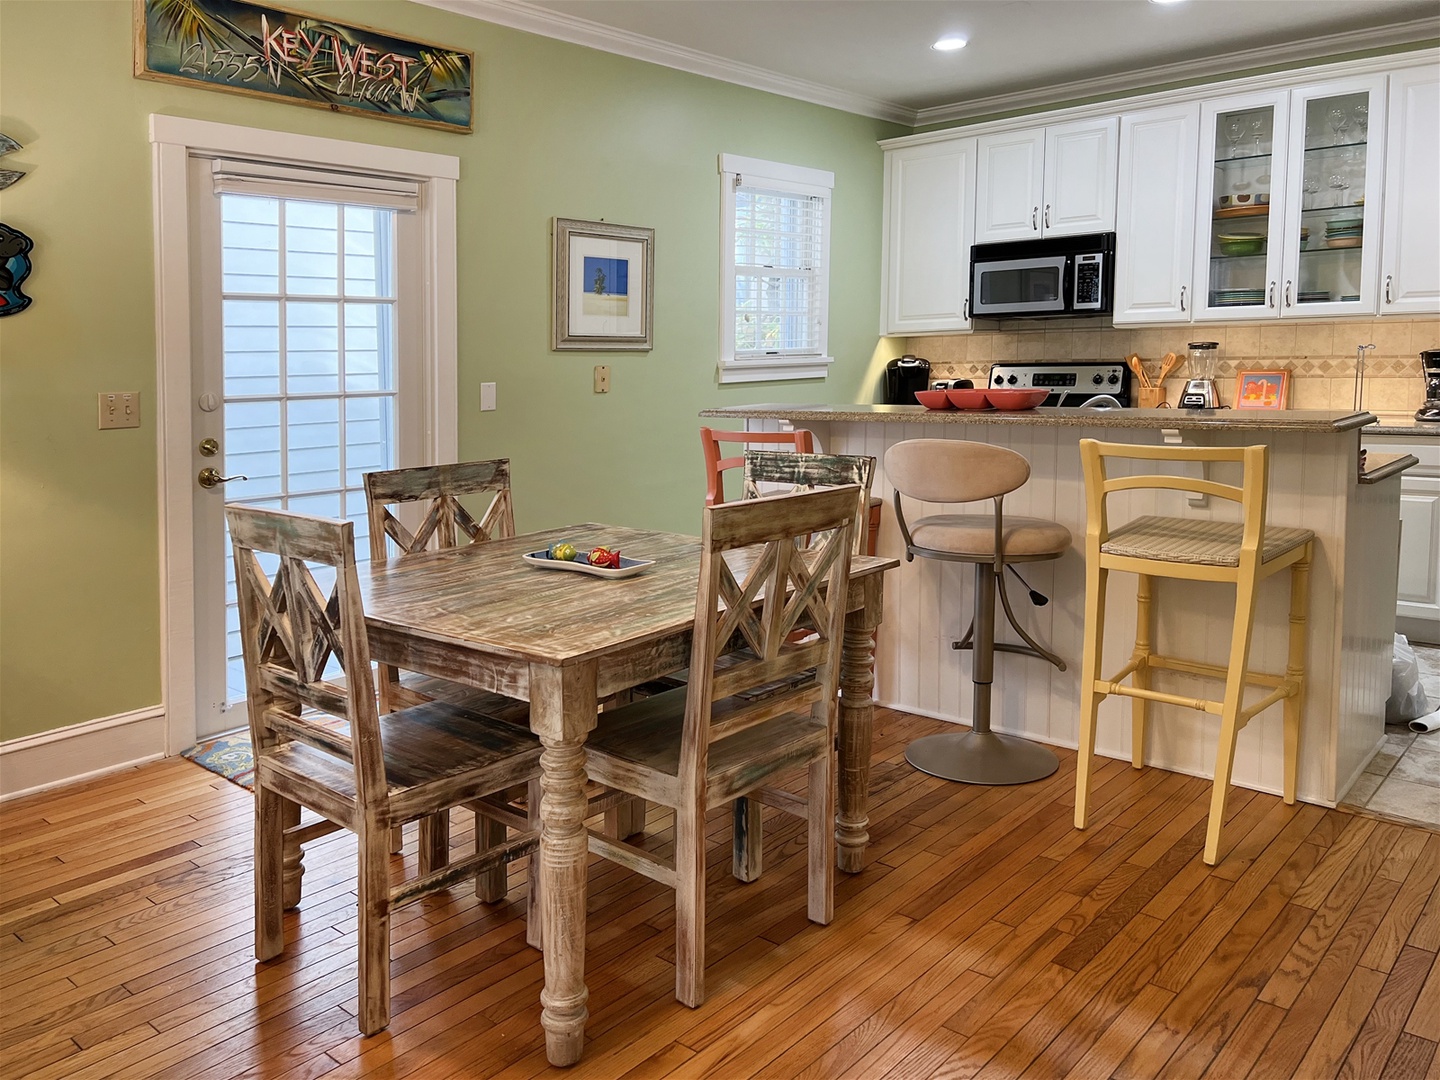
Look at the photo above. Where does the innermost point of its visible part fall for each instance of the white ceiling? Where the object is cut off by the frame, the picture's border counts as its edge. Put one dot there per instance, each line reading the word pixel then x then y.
pixel 873 57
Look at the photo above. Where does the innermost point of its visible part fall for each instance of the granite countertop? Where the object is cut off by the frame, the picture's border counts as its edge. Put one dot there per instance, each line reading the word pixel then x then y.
pixel 1287 420
pixel 1404 425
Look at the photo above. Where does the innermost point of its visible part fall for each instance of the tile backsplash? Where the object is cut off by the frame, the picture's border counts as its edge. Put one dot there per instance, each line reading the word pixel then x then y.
pixel 1320 356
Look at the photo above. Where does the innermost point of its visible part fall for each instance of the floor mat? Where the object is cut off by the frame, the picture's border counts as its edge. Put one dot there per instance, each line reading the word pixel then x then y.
pixel 229 755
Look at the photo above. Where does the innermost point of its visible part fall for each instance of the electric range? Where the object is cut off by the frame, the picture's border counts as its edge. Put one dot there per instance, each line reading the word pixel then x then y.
pixel 1070 382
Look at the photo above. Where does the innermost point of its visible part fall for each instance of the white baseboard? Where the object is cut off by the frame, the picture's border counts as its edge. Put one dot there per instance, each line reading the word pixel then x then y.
pixel 80 751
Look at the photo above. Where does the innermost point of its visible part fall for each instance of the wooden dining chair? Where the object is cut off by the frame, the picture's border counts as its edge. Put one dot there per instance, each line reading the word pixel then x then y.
pixel 718 463
pixel 775 472
pixel 366 773
pixel 703 745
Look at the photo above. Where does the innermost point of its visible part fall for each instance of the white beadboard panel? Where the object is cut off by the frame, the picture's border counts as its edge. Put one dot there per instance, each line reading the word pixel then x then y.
pixel 928 605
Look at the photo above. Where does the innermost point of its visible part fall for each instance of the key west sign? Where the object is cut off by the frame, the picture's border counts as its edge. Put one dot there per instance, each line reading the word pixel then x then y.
pixel 272 52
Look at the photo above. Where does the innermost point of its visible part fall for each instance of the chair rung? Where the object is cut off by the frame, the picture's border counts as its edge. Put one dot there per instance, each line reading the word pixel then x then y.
pixel 635 858
pixel 1278 694
pixel 782 800
pixel 1214 671
pixel 1198 704
pixel 303 834
pixel 468 867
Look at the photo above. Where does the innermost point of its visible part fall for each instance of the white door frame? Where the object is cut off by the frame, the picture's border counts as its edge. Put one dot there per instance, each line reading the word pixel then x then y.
pixel 174 139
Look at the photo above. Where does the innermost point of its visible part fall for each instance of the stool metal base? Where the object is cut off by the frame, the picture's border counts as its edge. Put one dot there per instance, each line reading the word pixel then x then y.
pixel 974 757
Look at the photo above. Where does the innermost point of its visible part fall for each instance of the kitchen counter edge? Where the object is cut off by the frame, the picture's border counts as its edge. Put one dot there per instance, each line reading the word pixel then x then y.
pixel 1289 420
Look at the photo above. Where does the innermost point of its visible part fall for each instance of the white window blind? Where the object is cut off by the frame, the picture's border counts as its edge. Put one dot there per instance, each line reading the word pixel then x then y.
pixel 267 179
pixel 775 278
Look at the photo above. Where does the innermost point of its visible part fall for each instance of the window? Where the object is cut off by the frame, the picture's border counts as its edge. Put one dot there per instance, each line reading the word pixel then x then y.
pixel 775 271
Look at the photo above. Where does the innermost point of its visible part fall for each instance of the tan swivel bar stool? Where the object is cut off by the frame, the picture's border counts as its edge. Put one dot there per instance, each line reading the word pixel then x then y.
pixel 955 471
pixel 1243 553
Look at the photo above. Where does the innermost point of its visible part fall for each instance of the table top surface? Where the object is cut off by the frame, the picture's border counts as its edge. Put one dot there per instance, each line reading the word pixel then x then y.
pixel 485 598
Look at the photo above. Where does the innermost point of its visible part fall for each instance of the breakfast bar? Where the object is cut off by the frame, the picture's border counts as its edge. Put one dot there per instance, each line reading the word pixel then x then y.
pixel 1317 481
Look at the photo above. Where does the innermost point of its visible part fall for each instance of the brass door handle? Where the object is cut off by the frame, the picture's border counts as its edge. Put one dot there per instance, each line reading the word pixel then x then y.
pixel 209 477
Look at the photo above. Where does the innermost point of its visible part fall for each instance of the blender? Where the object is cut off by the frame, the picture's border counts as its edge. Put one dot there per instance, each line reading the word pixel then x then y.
pixel 1200 391
pixel 1430 368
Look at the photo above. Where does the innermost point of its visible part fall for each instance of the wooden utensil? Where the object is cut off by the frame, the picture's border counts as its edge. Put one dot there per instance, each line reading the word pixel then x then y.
pixel 1167 365
pixel 1138 369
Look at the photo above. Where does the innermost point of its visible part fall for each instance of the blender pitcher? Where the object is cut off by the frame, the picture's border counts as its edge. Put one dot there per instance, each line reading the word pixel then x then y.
pixel 1200 391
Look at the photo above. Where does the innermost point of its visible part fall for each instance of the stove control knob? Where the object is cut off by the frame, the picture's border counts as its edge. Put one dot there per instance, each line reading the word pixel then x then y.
pixel 1098 379
pixel 1113 379
pixel 999 379
pixel 1012 380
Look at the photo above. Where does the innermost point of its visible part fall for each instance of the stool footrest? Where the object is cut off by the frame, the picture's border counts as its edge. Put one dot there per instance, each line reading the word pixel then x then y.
pixel 1282 686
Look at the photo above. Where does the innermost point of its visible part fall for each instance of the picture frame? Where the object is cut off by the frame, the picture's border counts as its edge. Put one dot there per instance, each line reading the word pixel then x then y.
pixel 604 286
pixel 1262 389
pixel 263 50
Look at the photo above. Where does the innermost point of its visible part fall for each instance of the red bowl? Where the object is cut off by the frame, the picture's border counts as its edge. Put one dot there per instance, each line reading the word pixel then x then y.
pixel 967 399
pixel 1015 400
pixel 932 399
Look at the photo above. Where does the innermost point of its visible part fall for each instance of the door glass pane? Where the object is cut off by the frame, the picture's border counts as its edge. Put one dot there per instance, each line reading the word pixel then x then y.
pixel 1240 211
pixel 1332 204
pixel 310 384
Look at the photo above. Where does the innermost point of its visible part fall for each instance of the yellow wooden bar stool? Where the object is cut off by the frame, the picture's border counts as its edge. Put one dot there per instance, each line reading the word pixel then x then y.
pixel 1191 549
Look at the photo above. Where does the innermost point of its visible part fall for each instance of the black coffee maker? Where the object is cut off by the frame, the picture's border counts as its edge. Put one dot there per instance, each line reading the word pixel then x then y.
pixel 903 376
pixel 1430 369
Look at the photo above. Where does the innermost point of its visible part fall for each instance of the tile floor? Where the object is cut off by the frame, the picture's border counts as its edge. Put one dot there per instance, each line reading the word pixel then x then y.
pixel 1402 781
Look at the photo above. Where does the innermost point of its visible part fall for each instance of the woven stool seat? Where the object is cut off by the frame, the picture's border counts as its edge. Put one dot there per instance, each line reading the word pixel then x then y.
pixel 1200 543
pixel 974 535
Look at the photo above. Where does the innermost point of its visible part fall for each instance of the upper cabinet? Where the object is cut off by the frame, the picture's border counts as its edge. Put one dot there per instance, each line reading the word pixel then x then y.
pixel 1051 181
pixel 1155 224
pixel 1410 267
pixel 929 212
pixel 1290 219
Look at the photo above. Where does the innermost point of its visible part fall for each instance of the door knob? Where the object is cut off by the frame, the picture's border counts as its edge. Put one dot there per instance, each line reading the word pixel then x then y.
pixel 209 477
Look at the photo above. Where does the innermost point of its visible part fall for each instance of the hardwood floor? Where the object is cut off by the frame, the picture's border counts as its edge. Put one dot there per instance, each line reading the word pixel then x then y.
pixel 986 938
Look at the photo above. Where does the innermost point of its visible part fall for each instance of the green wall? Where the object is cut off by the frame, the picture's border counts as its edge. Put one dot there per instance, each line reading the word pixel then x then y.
pixel 559 131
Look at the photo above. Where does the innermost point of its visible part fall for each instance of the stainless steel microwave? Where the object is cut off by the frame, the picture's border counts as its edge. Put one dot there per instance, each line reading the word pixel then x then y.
pixel 1070 276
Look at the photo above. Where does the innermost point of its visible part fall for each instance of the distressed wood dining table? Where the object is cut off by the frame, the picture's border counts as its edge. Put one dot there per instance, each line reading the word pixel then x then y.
pixel 564 640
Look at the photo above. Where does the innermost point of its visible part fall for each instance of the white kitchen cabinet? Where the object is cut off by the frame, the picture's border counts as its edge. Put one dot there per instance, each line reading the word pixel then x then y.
pixel 1155 220
pixel 1286 224
pixel 1051 181
pixel 929 215
pixel 1417 608
pixel 1410 259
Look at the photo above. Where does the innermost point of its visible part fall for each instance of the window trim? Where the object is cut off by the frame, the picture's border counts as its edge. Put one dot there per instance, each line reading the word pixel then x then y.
pixel 775 175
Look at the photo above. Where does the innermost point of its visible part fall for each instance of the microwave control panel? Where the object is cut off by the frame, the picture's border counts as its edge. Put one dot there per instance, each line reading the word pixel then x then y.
pixel 1088 272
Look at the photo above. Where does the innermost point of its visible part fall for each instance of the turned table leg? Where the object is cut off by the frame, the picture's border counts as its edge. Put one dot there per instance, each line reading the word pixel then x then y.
pixel 857 717
pixel 562 711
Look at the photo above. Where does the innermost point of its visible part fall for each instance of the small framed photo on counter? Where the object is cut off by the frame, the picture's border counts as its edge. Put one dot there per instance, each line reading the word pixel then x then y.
pixel 1262 389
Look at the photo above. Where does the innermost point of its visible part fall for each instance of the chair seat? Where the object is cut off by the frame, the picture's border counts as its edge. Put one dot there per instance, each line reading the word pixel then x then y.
pixel 425 746
pixel 1197 542
pixel 646 734
pixel 974 535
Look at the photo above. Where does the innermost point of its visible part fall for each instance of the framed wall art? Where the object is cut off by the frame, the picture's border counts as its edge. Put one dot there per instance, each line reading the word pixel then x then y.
pixel 272 52
pixel 604 286
pixel 1261 389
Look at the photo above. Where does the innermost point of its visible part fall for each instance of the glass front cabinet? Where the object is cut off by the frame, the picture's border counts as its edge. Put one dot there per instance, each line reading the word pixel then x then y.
pixel 1289 225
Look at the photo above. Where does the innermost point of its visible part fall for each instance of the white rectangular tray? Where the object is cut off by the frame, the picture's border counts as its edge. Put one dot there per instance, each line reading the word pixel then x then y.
pixel 628 567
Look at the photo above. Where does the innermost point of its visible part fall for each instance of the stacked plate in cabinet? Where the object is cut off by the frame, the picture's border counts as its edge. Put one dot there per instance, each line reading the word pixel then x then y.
pixel 1344 232
pixel 1318 296
pixel 1236 297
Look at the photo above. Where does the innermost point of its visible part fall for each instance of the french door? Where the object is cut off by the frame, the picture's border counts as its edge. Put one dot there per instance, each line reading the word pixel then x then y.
pixel 305 311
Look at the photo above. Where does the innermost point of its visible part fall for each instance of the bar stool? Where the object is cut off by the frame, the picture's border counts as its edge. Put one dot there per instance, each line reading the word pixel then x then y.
pixel 1243 553
pixel 955 471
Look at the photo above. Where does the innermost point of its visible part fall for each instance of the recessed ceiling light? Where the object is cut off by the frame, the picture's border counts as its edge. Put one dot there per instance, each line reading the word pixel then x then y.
pixel 949 43
pixel 1167 1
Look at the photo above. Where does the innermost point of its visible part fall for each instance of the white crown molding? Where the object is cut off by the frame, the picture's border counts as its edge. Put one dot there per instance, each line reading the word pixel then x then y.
pixel 1310 49
pixel 520 15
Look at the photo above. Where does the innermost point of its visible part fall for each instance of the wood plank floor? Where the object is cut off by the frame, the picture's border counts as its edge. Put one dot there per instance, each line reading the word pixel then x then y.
pixel 987 938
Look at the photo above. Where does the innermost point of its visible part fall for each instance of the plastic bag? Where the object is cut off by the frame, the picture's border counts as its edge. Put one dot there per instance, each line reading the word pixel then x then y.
pixel 1408 699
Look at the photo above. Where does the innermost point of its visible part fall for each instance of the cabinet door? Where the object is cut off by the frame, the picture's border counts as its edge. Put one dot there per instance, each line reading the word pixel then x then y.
pixel 1155 226
pixel 1010 174
pixel 1332 198
pixel 1410 261
pixel 1239 229
pixel 1079 187
pixel 1419 585
pixel 929 205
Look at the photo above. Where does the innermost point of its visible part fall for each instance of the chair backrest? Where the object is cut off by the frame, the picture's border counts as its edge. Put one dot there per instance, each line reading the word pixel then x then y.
pixel 291 630
pixel 446 521
pixel 954 470
pixel 716 463
pixel 1251 494
pixel 738 648
pixel 806 472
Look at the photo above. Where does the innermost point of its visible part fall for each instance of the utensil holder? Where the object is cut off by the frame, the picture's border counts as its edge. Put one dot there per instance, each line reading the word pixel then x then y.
pixel 1150 397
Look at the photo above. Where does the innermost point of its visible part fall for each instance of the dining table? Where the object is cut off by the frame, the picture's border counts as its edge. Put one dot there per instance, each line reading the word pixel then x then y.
pixel 563 641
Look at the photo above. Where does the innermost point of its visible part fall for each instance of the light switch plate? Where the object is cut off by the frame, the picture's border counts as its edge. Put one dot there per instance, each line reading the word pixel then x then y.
pixel 602 378
pixel 120 409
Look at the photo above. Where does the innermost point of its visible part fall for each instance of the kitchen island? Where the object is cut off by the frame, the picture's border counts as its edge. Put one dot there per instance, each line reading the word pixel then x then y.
pixel 1315 482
